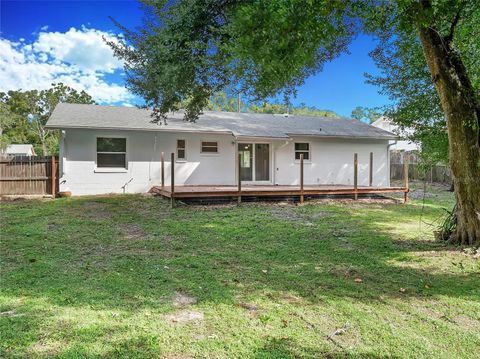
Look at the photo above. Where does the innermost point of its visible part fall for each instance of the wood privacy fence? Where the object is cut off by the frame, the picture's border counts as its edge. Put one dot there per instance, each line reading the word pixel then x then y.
pixel 28 175
pixel 416 172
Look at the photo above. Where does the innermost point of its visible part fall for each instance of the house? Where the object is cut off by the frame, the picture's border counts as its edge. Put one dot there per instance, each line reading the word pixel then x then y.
pixel 20 150
pixel 106 149
pixel 401 145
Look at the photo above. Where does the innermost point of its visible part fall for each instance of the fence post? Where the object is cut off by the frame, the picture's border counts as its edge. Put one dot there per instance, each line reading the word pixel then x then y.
pixel 301 178
pixel 355 175
pixel 239 197
pixel 370 177
pixel 405 178
pixel 172 180
pixel 54 170
pixel 162 166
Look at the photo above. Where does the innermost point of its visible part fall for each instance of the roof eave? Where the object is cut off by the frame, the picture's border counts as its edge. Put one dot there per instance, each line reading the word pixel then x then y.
pixel 63 127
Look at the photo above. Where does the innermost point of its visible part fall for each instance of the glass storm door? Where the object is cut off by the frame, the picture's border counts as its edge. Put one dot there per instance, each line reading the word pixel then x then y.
pixel 254 161
pixel 246 160
pixel 262 162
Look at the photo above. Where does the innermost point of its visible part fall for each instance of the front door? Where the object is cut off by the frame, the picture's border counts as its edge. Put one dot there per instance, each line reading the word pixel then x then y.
pixel 254 162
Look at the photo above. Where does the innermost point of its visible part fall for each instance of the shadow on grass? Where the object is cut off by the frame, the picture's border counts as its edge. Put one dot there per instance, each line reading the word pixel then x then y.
pixel 133 253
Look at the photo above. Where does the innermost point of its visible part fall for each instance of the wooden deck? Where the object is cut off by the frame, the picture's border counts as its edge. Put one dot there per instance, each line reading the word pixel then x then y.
pixel 198 192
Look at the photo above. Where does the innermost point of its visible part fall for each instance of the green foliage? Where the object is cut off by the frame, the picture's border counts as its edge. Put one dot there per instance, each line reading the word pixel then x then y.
pixel 30 110
pixel 405 77
pixel 448 225
pixel 7 121
pixel 223 101
pixel 366 114
pixel 189 50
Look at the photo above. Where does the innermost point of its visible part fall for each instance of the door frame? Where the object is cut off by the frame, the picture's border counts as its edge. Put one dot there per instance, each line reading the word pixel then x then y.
pixel 270 168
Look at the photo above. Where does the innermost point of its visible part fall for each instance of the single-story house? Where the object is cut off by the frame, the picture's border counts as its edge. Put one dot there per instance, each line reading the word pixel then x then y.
pixel 19 150
pixel 106 149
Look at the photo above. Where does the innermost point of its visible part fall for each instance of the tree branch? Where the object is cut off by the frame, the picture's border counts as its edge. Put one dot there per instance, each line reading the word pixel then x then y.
pixel 448 39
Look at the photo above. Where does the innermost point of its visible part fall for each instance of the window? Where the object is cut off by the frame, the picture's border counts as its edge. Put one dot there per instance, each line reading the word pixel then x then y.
pixel 111 152
pixel 181 152
pixel 209 147
pixel 302 149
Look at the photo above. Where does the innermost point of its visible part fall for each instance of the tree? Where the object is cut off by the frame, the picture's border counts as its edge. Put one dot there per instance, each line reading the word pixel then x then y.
pixel 33 108
pixel 365 114
pixel 268 47
pixel 7 121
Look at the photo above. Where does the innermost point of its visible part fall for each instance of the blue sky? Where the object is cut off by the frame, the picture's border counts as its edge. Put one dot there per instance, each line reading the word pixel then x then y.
pixel 46 41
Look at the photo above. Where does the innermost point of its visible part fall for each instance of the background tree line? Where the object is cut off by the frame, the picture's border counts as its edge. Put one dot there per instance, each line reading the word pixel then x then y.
pixel 23 115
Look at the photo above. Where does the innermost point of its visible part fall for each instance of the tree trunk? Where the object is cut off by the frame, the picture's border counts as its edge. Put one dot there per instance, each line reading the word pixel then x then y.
pixel 462 111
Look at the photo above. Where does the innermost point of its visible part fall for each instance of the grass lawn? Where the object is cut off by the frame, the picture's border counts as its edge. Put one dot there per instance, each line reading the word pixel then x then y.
pixel 126 276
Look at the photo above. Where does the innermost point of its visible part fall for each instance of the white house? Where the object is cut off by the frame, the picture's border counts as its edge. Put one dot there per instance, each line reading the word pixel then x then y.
pixel 20 150
pixel 401 145
pixel 118 149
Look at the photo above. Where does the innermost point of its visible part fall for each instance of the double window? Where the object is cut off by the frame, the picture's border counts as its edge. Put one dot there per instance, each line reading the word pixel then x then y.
pixel 111 152
pixel 209 147
pixel 181 150
pixel 302 149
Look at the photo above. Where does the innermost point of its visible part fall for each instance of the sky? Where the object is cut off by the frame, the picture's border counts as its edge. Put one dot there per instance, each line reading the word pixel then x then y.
pixel 42 42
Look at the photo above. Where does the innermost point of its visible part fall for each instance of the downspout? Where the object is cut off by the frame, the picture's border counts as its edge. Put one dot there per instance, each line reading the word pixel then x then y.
pixel 235 160
pixel 62 153
pixel 151 159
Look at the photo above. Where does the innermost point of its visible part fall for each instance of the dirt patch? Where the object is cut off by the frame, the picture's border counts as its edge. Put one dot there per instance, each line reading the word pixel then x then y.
pixel 132 231
pixel 185 316
pixel 467 322
pixel 289 214
pixel 11 314
pixel 46 348
pixel 183 300
pixel 248 306
pixel 97 211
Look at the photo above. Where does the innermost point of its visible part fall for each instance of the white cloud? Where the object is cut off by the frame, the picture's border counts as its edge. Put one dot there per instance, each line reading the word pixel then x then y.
pixel 78 58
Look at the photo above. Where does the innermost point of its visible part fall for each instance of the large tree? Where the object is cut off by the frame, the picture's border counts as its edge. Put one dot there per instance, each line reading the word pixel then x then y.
pixel 189 49
pixel 30 111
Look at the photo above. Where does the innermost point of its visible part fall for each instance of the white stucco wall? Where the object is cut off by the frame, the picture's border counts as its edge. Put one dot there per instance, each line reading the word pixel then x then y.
pixel 331 161
pixel 80 175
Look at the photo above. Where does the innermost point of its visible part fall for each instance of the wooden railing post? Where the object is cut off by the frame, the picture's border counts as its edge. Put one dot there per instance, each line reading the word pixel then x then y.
pixel 239 198
pixel 54 172
pixel 370 177
pixel 355 175
pixel 172 180
pixel 162 169
pixel 301 178
pixel 405 178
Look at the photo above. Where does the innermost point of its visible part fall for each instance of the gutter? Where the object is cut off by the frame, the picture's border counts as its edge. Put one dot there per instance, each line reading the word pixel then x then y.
pixel 226 132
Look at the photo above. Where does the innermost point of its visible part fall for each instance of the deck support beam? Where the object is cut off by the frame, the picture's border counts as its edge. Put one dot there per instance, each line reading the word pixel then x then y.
pixel 162 169
pixel 301 179
pixel 370 177
pixel 355 176
pixel 405 178
pixel 239 197
pixel 54 173
pixel 172 180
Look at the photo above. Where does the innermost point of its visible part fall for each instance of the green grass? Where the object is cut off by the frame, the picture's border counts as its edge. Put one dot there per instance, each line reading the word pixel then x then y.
pixel 98 276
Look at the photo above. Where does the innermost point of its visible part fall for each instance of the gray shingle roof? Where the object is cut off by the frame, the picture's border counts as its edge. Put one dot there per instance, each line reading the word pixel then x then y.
pixel 239 124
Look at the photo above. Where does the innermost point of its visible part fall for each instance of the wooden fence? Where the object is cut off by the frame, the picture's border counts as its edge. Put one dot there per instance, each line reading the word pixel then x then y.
pixel 28 175
pixel 416 172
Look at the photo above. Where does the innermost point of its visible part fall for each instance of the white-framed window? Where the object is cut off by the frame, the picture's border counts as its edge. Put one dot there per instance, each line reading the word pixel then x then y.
pixel 181 150
pixel 111 152
pixel 209 147
pixel 302 148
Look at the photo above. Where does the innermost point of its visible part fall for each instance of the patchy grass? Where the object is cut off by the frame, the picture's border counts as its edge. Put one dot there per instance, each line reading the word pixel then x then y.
pixel 125 276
